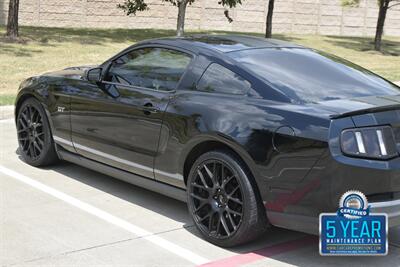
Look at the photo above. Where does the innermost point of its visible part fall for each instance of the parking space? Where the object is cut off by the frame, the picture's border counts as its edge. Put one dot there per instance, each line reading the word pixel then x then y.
pixel 69 215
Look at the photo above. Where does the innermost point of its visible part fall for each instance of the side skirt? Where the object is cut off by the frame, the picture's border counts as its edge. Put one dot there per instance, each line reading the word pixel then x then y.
pixel 152 185
pixel 305 224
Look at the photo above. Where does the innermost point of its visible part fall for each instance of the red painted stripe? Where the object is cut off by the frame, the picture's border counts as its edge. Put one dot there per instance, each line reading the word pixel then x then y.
pixel 266 252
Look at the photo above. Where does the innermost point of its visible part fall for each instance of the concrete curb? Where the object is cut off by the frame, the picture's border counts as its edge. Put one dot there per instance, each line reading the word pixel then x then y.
pixel 6 112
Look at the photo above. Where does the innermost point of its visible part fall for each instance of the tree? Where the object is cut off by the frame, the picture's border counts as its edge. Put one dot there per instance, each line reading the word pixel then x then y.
pixel 268 26
pixel 12 23
pixel 133 6
pixel 384 6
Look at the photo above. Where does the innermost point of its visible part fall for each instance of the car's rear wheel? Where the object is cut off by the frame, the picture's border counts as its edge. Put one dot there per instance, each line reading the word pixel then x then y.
pixel 222 200
pixel 36 144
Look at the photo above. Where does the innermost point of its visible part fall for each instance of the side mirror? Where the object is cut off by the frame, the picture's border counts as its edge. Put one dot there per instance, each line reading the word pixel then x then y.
pixel 94 75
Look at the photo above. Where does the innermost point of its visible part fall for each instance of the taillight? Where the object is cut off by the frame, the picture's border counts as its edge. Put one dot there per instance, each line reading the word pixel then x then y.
pixel 369 142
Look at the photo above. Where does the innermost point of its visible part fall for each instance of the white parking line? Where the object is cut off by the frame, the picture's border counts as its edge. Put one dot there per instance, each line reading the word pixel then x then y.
pixel 171 247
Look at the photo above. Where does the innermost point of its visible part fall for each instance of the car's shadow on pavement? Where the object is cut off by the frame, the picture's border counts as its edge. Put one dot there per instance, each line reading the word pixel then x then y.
pixel 277 244
pixel 149 200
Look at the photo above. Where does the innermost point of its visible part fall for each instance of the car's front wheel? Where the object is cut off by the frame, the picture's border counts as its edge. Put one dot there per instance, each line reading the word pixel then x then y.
pixel 36 144
pixel 222 200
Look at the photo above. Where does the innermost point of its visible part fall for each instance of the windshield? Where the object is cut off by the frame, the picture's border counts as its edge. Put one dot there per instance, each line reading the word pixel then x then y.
pixel 306 75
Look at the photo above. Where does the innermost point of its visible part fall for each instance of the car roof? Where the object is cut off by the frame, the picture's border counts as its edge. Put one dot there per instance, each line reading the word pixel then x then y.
pixel 222 43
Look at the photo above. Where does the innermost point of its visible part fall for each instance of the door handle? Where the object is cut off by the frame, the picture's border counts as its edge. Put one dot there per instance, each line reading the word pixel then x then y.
pixel 148 108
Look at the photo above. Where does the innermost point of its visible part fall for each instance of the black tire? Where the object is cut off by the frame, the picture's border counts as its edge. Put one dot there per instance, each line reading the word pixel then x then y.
pixel 224 227
pixel 36 145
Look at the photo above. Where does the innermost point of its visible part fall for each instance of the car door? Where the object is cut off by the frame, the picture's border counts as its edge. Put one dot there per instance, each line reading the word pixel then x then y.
pixel 118 121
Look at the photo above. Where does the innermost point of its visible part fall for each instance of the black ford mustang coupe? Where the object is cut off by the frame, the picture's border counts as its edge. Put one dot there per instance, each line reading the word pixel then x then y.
pixel 250 132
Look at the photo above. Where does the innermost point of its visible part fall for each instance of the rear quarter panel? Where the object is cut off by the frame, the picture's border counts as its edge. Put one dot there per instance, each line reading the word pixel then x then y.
pixel 278 158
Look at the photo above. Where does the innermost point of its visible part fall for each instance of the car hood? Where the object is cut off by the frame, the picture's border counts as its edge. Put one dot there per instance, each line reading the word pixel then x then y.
pixel 71 72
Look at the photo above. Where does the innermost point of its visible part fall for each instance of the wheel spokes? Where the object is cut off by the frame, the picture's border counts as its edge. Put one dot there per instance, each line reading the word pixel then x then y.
pixel 202 179
pixel 201 199
pixel 236 200
pixel 218 209
pixel 25 116
pixel 210 220
pixel 202 205
pixel 224 224
pixel 30 112
pixel 218 224
pixel 226 181
pixel 199 186
pixel 232 221
pixel 37 146
pixel 233 212
pixel 30 132
pixel 31 150
pixel 40 141
pixel 233 191
pixel 210 174
pixel 24 129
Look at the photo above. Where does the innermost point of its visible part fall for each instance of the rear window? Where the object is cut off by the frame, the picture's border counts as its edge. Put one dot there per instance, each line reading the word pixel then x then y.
pixel 305 75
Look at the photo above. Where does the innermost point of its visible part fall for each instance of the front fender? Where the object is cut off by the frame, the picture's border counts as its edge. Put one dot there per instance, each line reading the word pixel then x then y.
pixel 33 87
pixel 51 94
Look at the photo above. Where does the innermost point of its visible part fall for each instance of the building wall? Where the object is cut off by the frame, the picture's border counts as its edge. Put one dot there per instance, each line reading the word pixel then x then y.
pixel 326 17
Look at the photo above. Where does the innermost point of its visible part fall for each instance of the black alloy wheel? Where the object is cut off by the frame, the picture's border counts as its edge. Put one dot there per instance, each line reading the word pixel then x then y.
pixel 222 201
pixel 217 199
pixel 30 132
pixel 35 142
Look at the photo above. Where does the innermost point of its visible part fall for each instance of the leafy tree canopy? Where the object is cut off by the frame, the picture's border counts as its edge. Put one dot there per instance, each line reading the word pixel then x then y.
pixel 133 6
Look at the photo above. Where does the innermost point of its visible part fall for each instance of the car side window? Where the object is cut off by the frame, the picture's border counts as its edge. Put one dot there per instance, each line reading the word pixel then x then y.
pixel 153 68
pixel 219 79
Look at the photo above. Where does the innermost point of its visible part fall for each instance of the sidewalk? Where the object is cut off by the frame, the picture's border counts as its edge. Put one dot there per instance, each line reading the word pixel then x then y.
pixel 6 112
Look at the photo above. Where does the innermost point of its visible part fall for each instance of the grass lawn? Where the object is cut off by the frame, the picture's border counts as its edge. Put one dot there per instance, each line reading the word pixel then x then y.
pixel 46 49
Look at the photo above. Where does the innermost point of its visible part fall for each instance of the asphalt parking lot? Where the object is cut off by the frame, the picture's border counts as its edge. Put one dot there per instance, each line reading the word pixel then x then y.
pixel 67 215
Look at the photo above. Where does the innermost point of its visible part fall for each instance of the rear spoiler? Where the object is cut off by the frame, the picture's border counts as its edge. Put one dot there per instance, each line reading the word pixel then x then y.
pixel 366 111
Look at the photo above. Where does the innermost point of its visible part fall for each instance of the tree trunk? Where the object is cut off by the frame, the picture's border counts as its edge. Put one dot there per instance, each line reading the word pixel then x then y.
pixel 383 7
pixel 12 23
pixel 268 30
pixel 180 25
